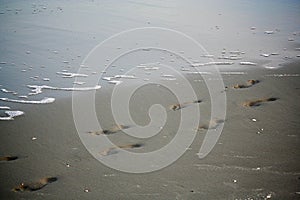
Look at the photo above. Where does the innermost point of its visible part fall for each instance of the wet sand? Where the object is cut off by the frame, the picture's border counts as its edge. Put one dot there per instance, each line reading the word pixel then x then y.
pixel 256 159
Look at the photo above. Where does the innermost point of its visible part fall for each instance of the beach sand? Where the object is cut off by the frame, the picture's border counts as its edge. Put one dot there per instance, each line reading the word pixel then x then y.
pixel 252 159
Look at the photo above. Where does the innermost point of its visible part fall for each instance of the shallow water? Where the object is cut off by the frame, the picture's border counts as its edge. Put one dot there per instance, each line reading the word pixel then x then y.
pixel 41 38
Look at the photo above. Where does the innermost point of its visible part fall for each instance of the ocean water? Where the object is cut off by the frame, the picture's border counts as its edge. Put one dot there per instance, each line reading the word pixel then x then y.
pixel 40 38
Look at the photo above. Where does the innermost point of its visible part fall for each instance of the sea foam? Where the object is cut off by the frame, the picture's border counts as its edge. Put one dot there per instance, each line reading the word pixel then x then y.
pixel 211 63
pixel 45 100
pixel 71 75
pixel 37 89
pixel 11 114
pixel 4 108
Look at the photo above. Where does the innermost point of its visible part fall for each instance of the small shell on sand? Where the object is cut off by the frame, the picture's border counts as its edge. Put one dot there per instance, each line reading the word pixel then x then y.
pixel 34 138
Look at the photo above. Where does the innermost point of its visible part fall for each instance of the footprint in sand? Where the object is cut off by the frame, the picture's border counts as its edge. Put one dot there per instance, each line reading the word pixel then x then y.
pixel 8 158
pixel 249 83
pixel 112 130
pixel 113 150
pixel 33 186
pixel 213 124
pixel 179 106
pixel 258 102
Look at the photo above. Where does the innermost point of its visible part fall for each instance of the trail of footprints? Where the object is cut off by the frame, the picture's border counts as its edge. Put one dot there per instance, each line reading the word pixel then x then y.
pixel 256 102
pixel 213 124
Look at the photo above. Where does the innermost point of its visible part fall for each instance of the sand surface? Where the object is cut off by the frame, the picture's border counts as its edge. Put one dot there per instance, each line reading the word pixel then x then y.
pixel 251 160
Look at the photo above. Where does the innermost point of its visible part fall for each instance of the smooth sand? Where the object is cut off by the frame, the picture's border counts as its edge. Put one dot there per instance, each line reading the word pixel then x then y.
pixel 251 160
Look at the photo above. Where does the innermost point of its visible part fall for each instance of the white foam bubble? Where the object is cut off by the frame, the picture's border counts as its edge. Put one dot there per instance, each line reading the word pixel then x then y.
pixel 211 63
pixel 208 56
pixel 14 113
pixel 185 69
pixel 45 100
pixel 107 78
pixel 233 73
pixel 78 82
pixel 269 32
pixel 71 75
pixel 115 82
pixel 167 75
pixel 283 75
pixel 274 54
pixel 169 79
pixel 23 97
pixel 7 91
pixel 232 57
pixel 247 63
pixel 125 76
pixel 151 68
pixel 37 89
pixel 6 118
pixel 265 55
pixel 46 79
pixel 111 80
pixel 236 52
pixel 4 108
pixel 202 73
pixel 11 114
